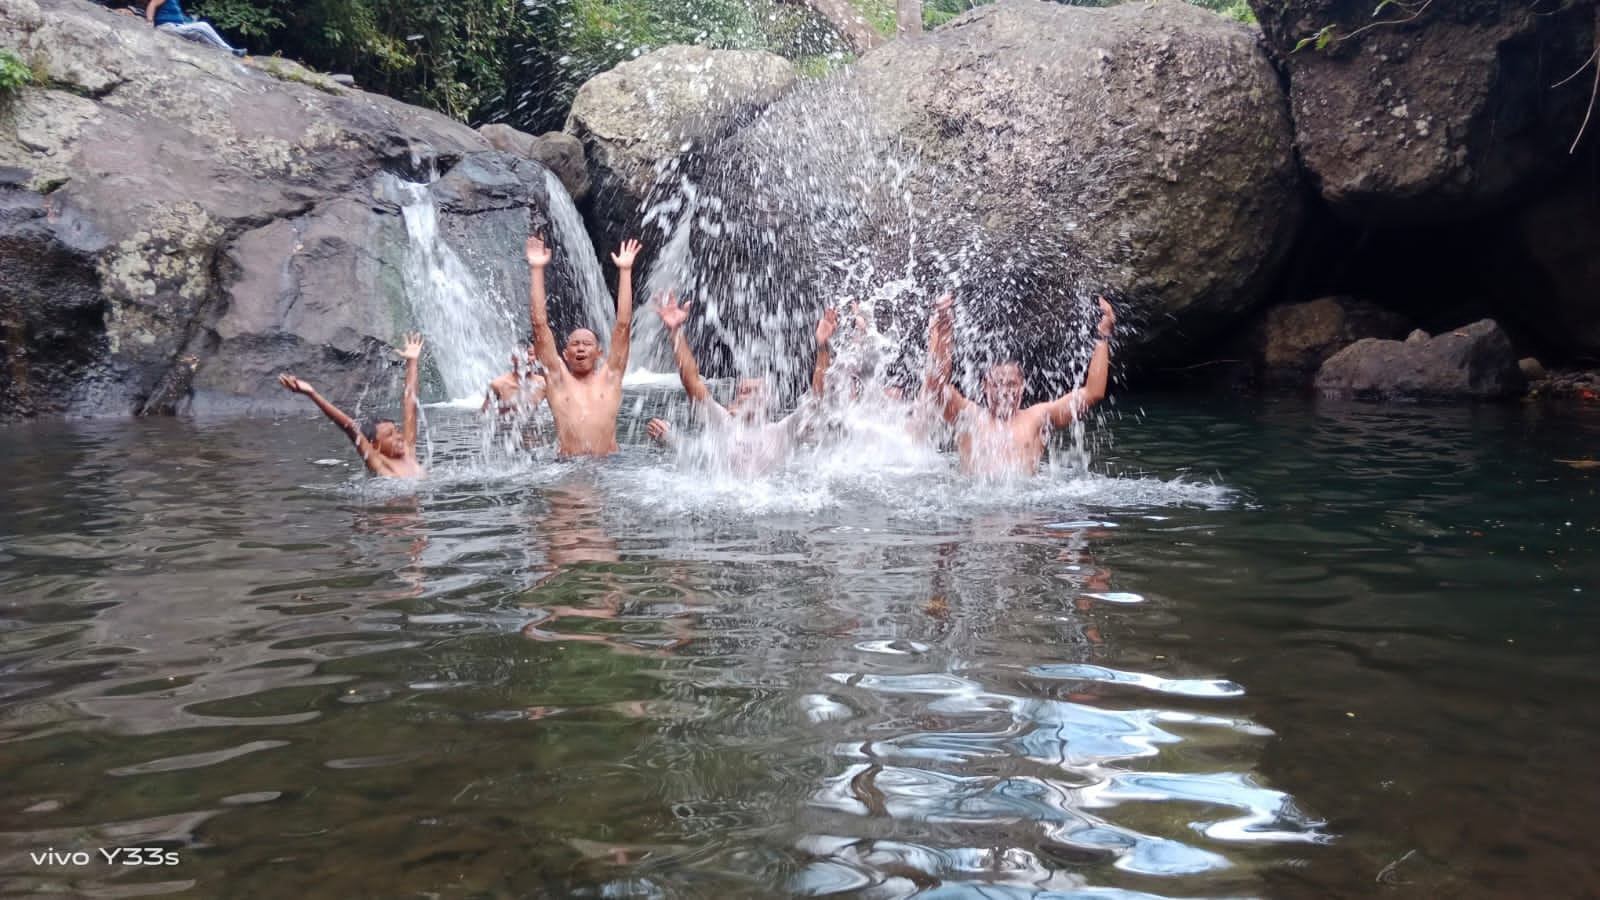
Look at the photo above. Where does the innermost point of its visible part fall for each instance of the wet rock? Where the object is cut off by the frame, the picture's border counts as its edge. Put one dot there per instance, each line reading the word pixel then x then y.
pixel 1475 362
pixel 174 219
pixel 645 112
pixel 1297 338
pixel 1531 369
pixel 1431 112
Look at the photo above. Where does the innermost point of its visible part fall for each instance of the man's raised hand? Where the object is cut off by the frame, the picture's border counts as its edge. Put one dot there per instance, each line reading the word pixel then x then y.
pixel 672 315
pixel 827 326
pixel 624 257
pixel 1107 318
pixel 413 347
pixel 296 385
pixel 538 253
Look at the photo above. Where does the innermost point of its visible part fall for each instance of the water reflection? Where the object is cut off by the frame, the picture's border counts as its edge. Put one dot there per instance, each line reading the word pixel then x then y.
pixel 620 679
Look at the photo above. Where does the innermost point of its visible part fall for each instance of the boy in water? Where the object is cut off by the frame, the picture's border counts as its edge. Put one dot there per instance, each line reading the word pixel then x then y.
pixel 998 436
pixel 387 449
pixel 515 395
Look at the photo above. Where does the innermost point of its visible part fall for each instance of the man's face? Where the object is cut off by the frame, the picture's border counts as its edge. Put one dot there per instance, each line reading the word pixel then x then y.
pixel 582 353
pixel 391 442
pixel 1002 389
pixel 750 399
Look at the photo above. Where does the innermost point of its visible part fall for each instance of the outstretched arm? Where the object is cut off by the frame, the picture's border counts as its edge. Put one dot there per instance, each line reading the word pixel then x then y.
pixel 673 316
pixel 412 353
pixel 1076 402
pixel 544 340
pixel 825 330
pixel 334 413
pixel 622 332
pixel 941 361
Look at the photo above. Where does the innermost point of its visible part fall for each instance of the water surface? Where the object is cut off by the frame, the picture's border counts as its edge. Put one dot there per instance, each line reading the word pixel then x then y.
pixel 1259 650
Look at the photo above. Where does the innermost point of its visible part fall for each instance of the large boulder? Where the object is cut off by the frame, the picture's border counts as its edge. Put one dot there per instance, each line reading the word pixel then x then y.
pixel 639 117
pixel 1430 112
pixel 1475 362
pixel 1026 156
pixel 1295 339
pixel 174 219
pixel 560 152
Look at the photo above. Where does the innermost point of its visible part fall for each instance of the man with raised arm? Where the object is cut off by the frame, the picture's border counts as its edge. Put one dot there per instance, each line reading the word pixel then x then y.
pixel 583 389
pixel 998 436
pixel 754 444
pixel 387 449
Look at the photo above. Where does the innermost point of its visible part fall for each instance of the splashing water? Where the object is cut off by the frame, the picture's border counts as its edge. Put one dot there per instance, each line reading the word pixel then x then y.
pixel 766 230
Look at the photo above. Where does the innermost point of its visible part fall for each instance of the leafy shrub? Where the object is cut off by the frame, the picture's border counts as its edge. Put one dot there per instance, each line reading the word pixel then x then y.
pixel 14 73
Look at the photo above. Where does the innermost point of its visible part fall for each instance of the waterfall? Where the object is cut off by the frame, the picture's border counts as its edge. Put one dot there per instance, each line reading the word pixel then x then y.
pixel 471 332
pixel 574 254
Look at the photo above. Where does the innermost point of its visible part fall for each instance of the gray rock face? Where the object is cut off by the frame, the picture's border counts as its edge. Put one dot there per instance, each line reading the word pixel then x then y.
pixel 1476 362
pixel 1296 339
pixel 1428 117
pixel 646 112
pixel 173 219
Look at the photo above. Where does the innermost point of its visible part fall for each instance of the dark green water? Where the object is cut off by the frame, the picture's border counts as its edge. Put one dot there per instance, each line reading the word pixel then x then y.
pixel 1265 651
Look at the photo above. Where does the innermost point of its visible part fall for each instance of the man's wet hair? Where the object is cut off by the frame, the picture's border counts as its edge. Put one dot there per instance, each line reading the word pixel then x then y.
pixel 369 429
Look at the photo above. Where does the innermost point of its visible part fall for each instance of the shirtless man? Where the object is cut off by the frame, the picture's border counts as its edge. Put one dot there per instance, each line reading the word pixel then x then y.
pixel 520 390
pixel 998 436
pixel 387 449
pixel 584 391
pixel 757 445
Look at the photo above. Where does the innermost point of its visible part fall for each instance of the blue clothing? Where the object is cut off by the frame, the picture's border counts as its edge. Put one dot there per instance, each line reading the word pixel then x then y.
pixel 170 13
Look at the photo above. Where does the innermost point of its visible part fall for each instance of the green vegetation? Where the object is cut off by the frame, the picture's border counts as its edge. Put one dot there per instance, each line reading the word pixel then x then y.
pixel 452 56
pixel 14 73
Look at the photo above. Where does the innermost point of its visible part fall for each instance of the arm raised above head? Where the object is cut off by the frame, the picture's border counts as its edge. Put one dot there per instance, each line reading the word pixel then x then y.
pixel 544 340
pixel 673 315
pixel 335 415
pixel 412 353
pixel 1078 401
pixel 936 382
pixel 825 330
pixel 622 332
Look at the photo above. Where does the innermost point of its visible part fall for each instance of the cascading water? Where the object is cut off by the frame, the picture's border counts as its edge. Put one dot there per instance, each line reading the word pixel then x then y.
pixel 575 255
pixel 470 331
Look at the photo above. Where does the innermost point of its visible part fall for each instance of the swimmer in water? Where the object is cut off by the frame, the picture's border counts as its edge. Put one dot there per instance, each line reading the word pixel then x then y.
pixel 755 445
pixel 583 388
pixel 998 436
pixel 387 449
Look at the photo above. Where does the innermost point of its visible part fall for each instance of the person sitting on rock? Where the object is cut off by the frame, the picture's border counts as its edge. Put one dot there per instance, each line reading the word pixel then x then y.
pixel 167 15
pixel 753 444
pixel 387 449
pixel 584 390
pixel 999 436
